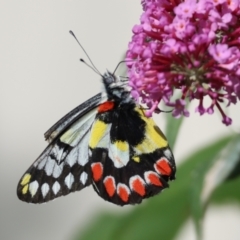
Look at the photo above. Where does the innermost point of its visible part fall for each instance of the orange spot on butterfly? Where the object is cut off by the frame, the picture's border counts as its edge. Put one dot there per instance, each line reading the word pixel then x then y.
pixel 153 179
pixel 106 106
pixel 97 170
pixel 110 186
pixel 123 193
pixel 162 166
pixel 138 186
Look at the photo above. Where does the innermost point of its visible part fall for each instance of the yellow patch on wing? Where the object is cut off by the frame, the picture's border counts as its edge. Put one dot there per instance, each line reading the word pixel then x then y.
pixel 122 145
pixel 26 179
pixel 97 133
pixel 25 189
pixel 154 138
pixel 68 137
pixel 136 159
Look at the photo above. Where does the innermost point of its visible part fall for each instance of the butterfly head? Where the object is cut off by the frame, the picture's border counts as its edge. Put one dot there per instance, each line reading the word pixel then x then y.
pixel 116 89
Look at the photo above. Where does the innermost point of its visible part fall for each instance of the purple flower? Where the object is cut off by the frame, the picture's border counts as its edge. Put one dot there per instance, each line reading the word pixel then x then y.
pixel 192 46
pixel 179 109
pixel 220 52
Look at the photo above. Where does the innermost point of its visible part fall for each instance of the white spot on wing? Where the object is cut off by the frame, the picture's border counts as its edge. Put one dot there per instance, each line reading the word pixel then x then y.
pixel 82 150
pixel 57 170
pixel 56 187
pixel 33 187
pixel 83 178
pixel 42 163
pixel 71 159
pixel 58 153
pixel 168 153
pixel 119 158
pixel 45 189
pixel 69 180
pixel 49 166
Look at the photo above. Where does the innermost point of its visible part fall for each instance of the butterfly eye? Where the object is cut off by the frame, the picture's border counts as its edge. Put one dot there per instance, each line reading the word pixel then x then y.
pixel 109 78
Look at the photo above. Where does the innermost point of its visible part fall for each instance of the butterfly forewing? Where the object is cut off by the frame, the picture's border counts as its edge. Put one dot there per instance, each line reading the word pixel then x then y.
pixel 64 166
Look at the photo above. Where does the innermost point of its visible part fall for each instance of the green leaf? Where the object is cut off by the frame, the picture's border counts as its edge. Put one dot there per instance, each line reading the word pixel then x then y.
pixel 160 217
pixel 209 175
pixel 174 124
pixel 228 191
pixel 100 228
pixel 172 129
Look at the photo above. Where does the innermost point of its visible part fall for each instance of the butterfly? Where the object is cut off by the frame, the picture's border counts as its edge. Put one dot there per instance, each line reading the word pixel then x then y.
pixel 106 142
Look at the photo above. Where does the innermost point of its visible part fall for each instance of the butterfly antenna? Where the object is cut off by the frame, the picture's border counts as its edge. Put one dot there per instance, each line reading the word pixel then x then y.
pixel 118 66
pixel 93 67
pixel 95 70
pixel 158 110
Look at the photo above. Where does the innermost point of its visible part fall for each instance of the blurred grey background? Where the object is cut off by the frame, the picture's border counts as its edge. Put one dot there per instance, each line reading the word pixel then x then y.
pixel 42 79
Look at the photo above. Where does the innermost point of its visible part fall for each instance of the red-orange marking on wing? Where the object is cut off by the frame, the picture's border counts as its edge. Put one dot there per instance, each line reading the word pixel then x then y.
pixel 163 167
pixel 138 186
pixel 109 184
pixel 97 170
pixel 153 179
pixel 123 192
pixel 106 106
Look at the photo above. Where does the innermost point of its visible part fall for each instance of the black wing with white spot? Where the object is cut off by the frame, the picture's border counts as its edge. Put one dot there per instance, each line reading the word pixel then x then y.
pixel 63 167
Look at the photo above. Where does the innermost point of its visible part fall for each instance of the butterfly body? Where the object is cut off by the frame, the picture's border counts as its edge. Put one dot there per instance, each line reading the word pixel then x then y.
pixel 107 142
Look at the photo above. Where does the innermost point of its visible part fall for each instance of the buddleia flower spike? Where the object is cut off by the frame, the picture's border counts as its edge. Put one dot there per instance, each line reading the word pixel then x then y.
pixel 192 46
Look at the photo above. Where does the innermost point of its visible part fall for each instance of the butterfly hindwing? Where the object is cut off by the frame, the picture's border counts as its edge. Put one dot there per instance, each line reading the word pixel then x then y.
pixel 130 157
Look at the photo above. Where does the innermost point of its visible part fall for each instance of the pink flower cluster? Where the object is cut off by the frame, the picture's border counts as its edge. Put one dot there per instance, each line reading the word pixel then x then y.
pixel 192 46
